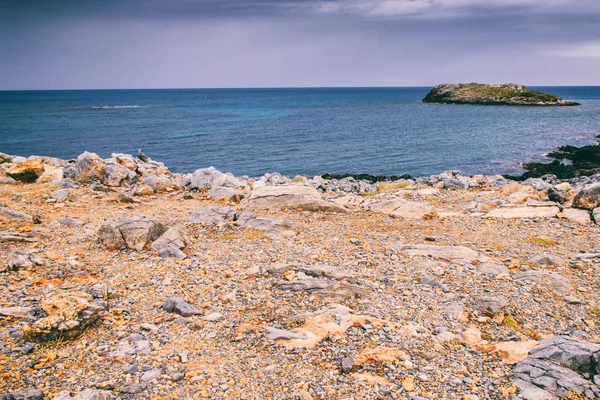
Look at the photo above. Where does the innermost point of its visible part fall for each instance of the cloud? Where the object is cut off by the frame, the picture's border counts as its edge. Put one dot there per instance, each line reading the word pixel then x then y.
pixel 590 50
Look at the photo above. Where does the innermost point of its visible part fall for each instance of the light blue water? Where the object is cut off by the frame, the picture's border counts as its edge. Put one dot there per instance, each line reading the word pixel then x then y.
pixel 295 131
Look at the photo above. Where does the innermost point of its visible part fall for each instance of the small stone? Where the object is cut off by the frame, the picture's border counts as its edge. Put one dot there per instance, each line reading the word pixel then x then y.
pixel 347 364
pixel 213 317
pixel 150 375
pixel 131 369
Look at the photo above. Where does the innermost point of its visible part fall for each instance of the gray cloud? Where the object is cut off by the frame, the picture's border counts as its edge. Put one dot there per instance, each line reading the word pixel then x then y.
pixel 238 43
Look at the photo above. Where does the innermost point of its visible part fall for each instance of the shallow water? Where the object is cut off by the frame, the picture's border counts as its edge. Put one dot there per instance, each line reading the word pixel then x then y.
pixel 295 131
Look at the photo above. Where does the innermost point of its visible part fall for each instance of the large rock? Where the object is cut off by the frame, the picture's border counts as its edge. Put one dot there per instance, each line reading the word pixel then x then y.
pixel 8 213
pixel 550 280
pixel 117 175
pixel 26 171
pixel 491 305
pixel 559 367
pixel 213 215
pixel 403 208
pixel 290 197
pixel 160 183
pixel 273 228
pixel 444 252
pixel 524 212
pixel 88 168
pixel 170 242
pixel 588 198
pixel 179 306
pixel 581 216
pixel 22 259
pixel 68 315
pixel 134 233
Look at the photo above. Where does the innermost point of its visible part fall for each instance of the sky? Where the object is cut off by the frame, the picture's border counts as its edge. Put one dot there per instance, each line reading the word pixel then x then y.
pixel 101 44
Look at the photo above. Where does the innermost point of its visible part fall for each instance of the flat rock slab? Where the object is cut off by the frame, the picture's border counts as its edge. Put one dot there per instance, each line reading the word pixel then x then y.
pixel 575 215
pixel 213 215
pixel 6 212
pixel 403 208
pixel 444 252
pixel 557 367
pixel 290 197
pixel 134 233
pixel 524 212
pixel 550 280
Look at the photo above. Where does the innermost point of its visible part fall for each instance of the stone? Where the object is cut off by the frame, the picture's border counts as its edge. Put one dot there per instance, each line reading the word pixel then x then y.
pixel 88 394
pixel 547 260
pixel 51 174
pixel 68 315
pixel 576 215
pixel 557 367
pixel 273 228
pixel 523 212
pixel 387 355
pixel 15 237
pixel 213 317
pixel 402 208
pixel 23 259
pixel 206 178
pixel 70 222
pixel 27 171
pixel 596 215
pixel 425 280
pixel 125 198
pixel 117 175
pixel 280 334
pixel 61 195
pixel 6 212
pixel 7 180
pixel 134 233
pixel 142 190
pixel 179 306
pixel 174 239
pixel 560 195
pixel 290 197
pixel 16 312
pixel 161 183
pixel 588 198
pixel 550 280
pixel 492 269
pixel 491 305
pixel 67 184
pixel 229 194
pixel 25 394
pixel 213 215
pixel 87 169
pixel 150 375
pixel 347 364
pixel 443 252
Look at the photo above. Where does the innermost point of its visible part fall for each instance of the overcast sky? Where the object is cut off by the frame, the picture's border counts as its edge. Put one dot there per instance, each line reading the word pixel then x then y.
pixel 61 44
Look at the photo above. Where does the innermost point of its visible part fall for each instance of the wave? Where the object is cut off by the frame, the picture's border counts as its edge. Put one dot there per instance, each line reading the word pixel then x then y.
pixel 105 107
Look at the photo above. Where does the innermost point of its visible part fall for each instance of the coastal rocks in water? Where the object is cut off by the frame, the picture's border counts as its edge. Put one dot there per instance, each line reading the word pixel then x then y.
pixel 403 208
pixel 134 233
pixel 550 280
pixel 290 197
pixel 505 94
pixel 170 243
pixel 179 306
pixel 213 215
pixel 68 315
pixel 524 212
pixel 557 368
pixel 588 198
pixel 8 213
pixel 443 252
pixel 27 171
pixel 22 259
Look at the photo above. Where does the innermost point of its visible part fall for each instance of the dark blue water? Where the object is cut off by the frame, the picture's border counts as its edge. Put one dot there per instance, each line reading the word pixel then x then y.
pixel 295 131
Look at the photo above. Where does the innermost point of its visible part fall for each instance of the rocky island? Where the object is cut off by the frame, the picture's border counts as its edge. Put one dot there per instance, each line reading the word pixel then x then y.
pixel 493 95
pixel 122 280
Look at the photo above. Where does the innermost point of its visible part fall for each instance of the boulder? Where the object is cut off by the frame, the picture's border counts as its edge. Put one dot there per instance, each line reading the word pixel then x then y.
pixel 273 228
pixel 588 198
pixel 443 252
pixel 68 315
pixel 142 190
pixel 179 306
pixel 403 208
pixel 16 312
pixel 117 175
pixel 560 193
pixel 61 195
pixel 229 194
pixel 22 259
pixel 290 197
pixel 25 394
pixel 88 168
pixel 26 171
pixel 492 269
pixel 134 233
pixel 550 280
pixel 596 215
pixel 202 178
pixel 212 215
pixel 160 183
pixel 169 242
pixel 51 174
pixel 559 367
pixel 524 212
pixel 573 214
pixel 491 305
pixel 547 260
pixel 8 213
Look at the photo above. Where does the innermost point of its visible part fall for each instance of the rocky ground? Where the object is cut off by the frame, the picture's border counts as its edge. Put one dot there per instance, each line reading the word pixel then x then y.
pixel 122 280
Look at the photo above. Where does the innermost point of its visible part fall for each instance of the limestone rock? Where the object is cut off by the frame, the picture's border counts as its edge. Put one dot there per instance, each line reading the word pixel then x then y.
pixel 443 252
pixel 575 215
pixel 117 175
pixel 134 233
pixel 22 259
pixel 88 394
pixel 161 183
pixel 16 312
pixel 491 305
pixel 68 315
pixel 179 306
pixel 26 171
pixel 212 215
pixel 524 212
pixel 547 260
pixel 588 198
pixel 61 195
pixel 550 280
pixel 88 168
pixel 274 228
pixel 492 269
pixel 290 197
pixel 170 241
pixel 557 367
pixel 6 212
pixel 403 208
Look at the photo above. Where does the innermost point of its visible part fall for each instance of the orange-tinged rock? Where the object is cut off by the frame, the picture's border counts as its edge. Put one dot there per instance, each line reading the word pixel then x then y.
pixel 381 355
pixel 471 336
pixel 408 384
pixel 513 352
pixel 26 171
pixel 370 378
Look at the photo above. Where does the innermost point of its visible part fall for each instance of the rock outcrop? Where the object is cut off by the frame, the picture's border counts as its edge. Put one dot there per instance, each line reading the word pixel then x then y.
pixel 493 95
pixel 134 233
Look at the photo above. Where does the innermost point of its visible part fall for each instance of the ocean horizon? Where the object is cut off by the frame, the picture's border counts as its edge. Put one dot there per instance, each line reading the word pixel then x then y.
pixel 306 130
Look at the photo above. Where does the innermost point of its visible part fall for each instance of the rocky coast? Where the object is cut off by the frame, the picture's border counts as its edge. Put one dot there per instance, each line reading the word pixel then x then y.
pixel 122 280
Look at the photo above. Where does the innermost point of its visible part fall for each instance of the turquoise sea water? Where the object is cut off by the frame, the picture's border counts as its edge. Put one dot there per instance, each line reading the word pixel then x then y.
pixel 295 131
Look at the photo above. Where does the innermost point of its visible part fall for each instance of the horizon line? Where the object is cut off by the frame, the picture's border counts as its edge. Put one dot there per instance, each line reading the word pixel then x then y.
pixel 263 88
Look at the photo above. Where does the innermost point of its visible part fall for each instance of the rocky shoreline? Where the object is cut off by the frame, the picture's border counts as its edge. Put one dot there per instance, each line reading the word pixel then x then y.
pixel 123 280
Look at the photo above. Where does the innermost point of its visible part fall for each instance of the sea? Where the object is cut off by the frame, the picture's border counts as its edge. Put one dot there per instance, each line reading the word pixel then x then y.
pixel 308 131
